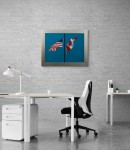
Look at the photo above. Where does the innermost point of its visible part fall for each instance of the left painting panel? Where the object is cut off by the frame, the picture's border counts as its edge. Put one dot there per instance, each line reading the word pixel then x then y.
pixel 54 47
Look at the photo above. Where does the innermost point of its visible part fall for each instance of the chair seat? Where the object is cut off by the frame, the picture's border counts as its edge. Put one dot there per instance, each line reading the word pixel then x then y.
pixel 67 110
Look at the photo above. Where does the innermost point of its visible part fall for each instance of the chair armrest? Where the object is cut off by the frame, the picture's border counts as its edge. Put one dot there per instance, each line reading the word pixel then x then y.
pixel 75 98
pixel 78 108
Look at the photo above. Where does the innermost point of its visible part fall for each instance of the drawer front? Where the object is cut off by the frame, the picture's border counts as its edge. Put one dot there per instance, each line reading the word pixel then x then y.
pixel 12 109
pixel 12 130
pixel 12 117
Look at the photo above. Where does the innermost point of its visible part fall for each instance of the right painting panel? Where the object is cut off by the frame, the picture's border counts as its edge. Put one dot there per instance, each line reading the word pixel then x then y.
pixel 74 47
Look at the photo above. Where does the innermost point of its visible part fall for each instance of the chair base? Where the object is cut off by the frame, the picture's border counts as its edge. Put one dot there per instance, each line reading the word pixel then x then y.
pixel 77 127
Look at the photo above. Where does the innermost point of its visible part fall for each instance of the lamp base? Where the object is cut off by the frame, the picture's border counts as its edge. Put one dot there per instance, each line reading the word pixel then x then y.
pixel 20 93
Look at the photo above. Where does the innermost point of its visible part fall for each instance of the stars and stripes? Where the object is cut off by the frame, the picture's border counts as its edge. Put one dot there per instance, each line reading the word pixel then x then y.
pixel 56 45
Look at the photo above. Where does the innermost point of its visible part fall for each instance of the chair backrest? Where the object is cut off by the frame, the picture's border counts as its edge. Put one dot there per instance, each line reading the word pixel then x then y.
pixel 85 99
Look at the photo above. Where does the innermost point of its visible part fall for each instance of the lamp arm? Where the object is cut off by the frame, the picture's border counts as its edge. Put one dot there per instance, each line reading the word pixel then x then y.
pixel 21 73
pixel 25 74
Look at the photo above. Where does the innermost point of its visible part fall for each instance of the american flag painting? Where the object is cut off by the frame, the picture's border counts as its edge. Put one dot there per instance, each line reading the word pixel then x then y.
pixel 55 46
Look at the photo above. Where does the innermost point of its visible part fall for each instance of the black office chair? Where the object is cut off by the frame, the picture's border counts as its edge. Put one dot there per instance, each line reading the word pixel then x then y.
pixel 82 109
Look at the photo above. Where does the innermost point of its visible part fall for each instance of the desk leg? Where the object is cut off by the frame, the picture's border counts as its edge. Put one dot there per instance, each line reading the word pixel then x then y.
pixel 26 119
pixel 67 118
pixel 72 119
pixel 107 107
pixel 32 101
pixel 111 110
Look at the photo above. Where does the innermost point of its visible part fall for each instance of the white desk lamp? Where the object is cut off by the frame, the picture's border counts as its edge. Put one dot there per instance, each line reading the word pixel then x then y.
pixel 10 73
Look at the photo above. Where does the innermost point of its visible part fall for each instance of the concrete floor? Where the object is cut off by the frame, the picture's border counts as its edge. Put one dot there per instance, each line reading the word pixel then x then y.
pixel 110 138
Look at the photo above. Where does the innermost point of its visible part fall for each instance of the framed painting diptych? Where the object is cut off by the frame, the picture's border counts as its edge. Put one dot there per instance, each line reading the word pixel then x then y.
pixel 64 48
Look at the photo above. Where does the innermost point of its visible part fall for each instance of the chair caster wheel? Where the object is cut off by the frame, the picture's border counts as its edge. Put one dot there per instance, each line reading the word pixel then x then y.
pixel 79 136
pixel 87 131
pixel 60 134
pixel 95 134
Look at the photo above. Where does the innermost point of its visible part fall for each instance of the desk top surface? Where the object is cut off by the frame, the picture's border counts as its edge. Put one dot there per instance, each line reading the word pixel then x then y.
pixel 38 95
pixel 35 95
pixel 120 93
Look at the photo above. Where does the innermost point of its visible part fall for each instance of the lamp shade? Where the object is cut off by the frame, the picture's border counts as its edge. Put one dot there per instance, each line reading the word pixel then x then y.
pixel 9 72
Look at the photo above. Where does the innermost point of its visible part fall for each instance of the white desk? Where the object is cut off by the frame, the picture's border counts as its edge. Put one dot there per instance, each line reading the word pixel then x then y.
pixel 109 105
pixel 30 98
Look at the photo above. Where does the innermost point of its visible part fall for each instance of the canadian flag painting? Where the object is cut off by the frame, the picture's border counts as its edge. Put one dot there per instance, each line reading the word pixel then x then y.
pixel 70 44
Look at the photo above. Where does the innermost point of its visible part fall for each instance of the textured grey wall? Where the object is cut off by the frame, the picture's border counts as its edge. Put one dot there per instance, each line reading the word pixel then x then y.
pixel 108 22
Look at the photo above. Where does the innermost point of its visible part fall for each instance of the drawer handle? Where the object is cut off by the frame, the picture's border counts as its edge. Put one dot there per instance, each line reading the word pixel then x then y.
pixel 8 124
pixel 13 108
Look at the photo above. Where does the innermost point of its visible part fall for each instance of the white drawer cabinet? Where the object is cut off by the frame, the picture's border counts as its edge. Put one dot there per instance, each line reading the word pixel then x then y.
pixel 13 121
